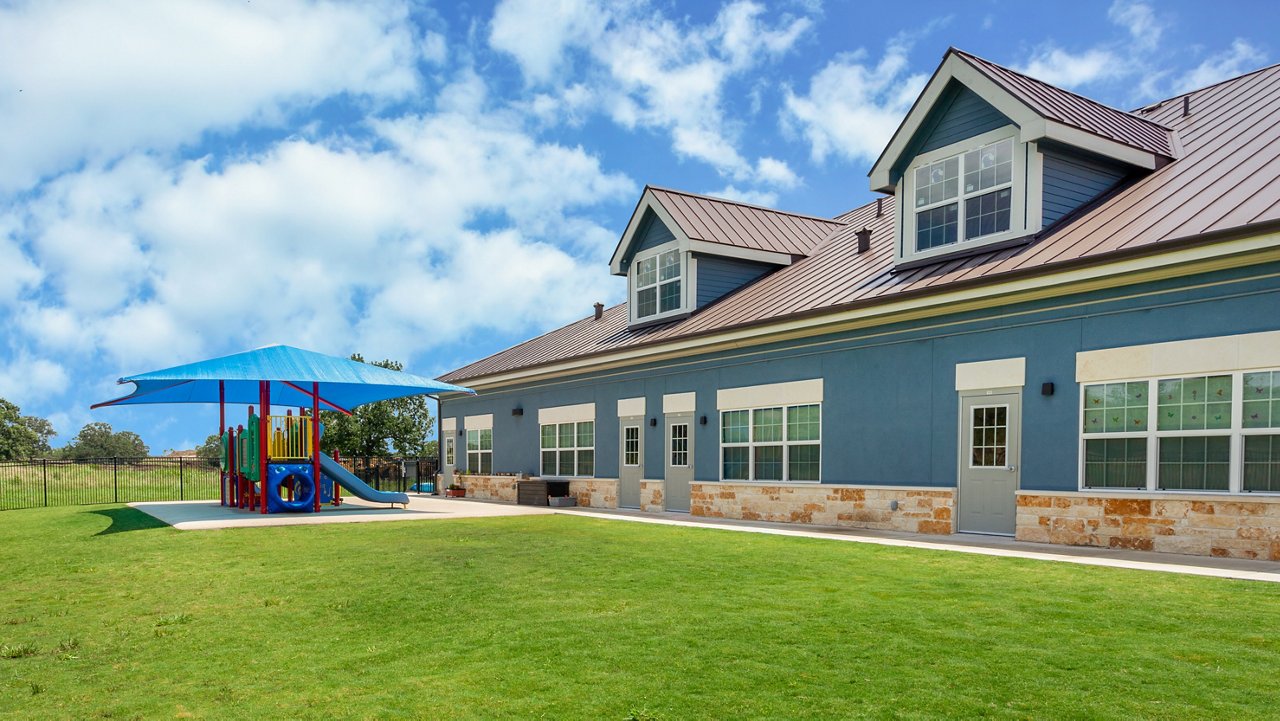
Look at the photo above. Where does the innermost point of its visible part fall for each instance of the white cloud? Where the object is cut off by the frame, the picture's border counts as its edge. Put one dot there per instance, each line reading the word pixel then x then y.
pixel 1065 69
pixel 95 80
pixel 1139 19
pixel 852 107
pixel 776 173
pixel 1240 58
pixel 24 379
pixel 765 198
pixel 538 33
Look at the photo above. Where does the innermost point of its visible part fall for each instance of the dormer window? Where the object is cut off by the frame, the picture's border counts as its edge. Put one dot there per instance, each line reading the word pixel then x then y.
pixel 657 287
pixel 964 194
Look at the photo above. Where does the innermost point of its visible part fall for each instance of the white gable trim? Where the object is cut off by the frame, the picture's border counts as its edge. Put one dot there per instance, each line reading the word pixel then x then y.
pixel 1031 125
pixel 647 202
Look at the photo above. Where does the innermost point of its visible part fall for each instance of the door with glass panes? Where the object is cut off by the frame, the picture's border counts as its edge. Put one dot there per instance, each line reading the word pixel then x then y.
pixel 989 451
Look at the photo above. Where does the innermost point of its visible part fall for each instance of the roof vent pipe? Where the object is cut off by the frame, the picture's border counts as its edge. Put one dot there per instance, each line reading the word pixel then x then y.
pixel 879 207
pixel 1186 105
pixel 864 240
pixel 599 310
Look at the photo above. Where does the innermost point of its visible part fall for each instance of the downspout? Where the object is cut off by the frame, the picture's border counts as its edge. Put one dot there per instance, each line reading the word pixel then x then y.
pixel 435 484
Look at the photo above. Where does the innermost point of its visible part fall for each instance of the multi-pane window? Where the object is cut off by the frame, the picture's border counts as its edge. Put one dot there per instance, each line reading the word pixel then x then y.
pixel 976 185
pixel 1216 432
pixel 448 450
pixel 480 451
pixel 771 444
pixel 569 449
pixel 680 445
pixel 989 446
pixel 631 446
pixel 657 284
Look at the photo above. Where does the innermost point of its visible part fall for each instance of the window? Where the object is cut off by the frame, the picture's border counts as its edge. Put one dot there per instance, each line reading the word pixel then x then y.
pixel 980 181
pixel 448 450
pixel 656 285
pixel 631 446
pixel 480 451
pixel 771 444
pixel 569 449
pixel 989 446
pixel 680 445
pixel 1184 433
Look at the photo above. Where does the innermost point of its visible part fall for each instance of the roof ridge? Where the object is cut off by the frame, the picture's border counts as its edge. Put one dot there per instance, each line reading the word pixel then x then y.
pixel 1061 89
pixel 743 204
pixel 1160 103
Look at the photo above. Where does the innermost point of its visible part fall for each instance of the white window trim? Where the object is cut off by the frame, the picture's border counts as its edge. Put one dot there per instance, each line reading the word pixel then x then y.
pixel 671 442
pixel 479 453
pixel 639 450
pixel 1237 432
pixel 685 285
pixel 785 443
pixel 450 450
pixel 1007 414
pixel 1020 220
pixel 595 430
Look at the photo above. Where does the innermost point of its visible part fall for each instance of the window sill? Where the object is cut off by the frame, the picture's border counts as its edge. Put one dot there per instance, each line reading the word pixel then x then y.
pixel 659 320
pixel 962 250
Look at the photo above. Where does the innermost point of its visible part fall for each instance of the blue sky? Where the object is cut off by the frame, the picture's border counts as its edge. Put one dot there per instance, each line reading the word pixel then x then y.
pixel 432 182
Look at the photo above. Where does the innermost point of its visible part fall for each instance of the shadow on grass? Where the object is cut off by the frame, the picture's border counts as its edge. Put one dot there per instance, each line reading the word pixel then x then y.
pixel 127 519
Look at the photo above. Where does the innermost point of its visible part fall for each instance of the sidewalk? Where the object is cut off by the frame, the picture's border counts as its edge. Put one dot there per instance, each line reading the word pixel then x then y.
pixel 970 543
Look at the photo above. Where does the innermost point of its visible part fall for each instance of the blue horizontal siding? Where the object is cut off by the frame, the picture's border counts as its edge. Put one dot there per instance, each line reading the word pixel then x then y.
pixel 651 233
pixel 961 116
pixel 718 277
pixel 1070 181
pixel 890 408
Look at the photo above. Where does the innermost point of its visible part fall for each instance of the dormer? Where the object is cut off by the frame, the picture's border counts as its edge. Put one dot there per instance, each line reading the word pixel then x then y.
pixel 681 251
pixel 988 157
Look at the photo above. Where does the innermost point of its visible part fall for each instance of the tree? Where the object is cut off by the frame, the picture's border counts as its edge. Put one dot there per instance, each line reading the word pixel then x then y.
pixel 97 440
pixel 211 449
pixel 401 426
pixel 22 436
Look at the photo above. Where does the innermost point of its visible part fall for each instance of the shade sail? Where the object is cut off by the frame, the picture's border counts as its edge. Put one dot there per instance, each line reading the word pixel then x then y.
pixel 344 383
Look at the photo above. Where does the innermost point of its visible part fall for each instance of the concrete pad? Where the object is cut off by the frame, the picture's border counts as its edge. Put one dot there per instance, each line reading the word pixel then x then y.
pixel 200 515
pixel 1234 568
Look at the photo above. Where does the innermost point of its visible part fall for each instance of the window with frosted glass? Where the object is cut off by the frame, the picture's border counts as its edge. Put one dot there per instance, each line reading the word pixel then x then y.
pixel 1116 425
pixel 657 284
pixel 1261 445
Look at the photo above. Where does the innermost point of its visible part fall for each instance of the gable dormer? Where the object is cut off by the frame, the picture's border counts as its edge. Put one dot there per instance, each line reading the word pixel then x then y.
pixel 988 157
pixel 681 251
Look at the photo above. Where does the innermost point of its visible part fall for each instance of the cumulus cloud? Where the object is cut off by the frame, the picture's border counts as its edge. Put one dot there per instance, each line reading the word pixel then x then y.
pixel 765 198
pixel 853 105
pixel 1065 69
pixel 1241 57
pixel 95 80
pixel 1139 18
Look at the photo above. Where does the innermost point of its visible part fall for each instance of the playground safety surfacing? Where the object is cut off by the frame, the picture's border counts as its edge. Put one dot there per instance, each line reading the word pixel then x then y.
pixel 203 515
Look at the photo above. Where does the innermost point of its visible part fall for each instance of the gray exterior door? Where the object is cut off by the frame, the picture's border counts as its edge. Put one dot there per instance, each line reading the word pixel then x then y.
pixel 679 461
pixel 630 461
pixel 990 448
pixel 450 456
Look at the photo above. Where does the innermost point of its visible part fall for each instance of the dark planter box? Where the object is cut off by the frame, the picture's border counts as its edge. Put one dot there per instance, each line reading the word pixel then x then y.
pixel 455 493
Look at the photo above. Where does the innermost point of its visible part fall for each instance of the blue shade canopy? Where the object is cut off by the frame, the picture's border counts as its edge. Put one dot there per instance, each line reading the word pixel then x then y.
pixel 344 384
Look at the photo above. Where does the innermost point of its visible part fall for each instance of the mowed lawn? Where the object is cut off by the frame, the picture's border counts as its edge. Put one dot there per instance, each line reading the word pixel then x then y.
pixel 105 615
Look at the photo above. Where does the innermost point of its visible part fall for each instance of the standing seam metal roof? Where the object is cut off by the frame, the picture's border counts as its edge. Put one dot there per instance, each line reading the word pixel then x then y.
pixel 1227 177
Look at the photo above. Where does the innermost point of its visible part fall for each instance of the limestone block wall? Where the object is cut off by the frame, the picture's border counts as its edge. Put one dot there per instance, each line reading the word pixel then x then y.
pixel 488 488
pixel 595 492
pixel 651 496
pixel 1203 525
pixel 919 510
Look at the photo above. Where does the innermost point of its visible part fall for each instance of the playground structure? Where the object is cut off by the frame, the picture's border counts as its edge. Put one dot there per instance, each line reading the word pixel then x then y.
pixel 275 463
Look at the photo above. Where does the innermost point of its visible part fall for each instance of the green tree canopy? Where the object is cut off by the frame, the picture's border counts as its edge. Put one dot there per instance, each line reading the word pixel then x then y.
pixel 97 440
pixel 402 426
pixel 211 449
pixel 22 436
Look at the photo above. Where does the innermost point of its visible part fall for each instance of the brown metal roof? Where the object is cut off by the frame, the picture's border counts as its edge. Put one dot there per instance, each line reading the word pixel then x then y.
pixel 1227 177
pixel 1077 111
pixel 727 222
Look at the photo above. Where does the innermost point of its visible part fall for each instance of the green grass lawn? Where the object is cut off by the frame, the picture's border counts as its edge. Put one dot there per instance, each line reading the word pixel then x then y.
pixel 105 615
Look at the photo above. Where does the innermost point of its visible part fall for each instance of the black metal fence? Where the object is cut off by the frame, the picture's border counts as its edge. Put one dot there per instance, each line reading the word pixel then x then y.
pixel 36 483
pixel 392 474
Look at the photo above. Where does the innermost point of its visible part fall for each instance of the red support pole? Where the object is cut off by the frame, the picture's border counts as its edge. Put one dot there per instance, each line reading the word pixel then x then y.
pixel 315 440
pixel 233 470
pixel 222 425
pixel 264 437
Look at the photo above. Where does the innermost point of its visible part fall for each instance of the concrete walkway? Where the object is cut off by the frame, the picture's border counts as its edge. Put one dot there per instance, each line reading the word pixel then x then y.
pixel 203 515
pixel 970 543
pixel 193 515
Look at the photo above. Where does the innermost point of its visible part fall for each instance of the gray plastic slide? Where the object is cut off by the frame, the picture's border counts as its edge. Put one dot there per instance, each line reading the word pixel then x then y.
pixel 344 478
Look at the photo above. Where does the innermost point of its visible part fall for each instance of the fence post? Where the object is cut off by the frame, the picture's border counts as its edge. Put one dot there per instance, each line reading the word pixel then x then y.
pixel 115 478
pixel 44 477
pixel 180 491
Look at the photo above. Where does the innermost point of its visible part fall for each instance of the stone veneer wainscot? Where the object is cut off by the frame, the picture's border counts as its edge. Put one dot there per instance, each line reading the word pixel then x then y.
pixel 1203 525
pixel 920 510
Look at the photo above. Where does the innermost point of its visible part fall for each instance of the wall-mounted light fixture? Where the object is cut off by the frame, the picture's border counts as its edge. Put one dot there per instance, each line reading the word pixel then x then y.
pixel 517 411
pixel 653 422
pixel 1046 389
pixel 461 432
pixel 702 421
